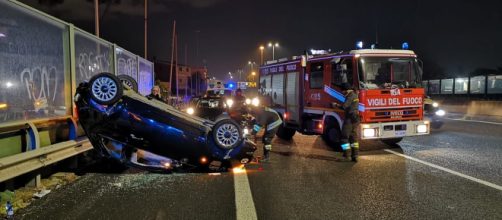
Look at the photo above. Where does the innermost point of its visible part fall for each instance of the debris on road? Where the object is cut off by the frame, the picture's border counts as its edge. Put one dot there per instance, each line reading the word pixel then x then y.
pixel 41 193
pixel 117 184
pixel 22 197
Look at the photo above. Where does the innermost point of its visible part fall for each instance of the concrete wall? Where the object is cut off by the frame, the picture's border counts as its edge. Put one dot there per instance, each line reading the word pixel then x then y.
pixel 468 107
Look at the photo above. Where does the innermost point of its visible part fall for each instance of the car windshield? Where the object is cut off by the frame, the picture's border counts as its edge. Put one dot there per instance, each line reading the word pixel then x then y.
pixel 385 72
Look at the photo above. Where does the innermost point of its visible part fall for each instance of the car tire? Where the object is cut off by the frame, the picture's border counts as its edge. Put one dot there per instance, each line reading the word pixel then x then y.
pixel 227 134
pixel 129 81
pixel 392 141
pixel 285 133
pixel 105 88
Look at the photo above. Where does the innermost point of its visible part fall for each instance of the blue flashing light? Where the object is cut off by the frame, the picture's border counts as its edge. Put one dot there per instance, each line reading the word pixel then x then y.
pixel 359 45
pixel 231 85
pixel 406 46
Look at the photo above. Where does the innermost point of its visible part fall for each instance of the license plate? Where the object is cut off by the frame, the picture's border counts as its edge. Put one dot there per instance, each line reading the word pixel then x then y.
pixel 400 133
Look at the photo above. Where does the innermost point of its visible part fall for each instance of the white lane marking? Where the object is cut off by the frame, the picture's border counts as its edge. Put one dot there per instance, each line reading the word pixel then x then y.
pixel 486 183
pixel 244 204
pixel 486 122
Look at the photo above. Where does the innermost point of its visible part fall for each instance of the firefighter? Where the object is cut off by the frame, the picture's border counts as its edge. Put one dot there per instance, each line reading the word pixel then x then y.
pixel 239 97
pixel 238 108
pixel 270 120
pixel 350 123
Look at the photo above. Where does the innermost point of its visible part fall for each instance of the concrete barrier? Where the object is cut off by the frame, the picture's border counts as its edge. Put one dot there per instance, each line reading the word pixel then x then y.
pixel 469 107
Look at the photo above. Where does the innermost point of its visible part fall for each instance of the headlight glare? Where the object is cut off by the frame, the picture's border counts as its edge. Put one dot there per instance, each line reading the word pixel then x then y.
pixel 369 132
pixel 230 102
pixel 422 128
pixel 190 111
pixel 256 102
pixel 440 112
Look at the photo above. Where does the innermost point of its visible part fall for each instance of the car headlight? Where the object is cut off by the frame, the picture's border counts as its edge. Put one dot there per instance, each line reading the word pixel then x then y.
pixel 190 111
pixel 230 102
pixel 435 104
pixel 440 112
pixel 248 101
pixel 369 132
pixel 421 128
pixel 256 102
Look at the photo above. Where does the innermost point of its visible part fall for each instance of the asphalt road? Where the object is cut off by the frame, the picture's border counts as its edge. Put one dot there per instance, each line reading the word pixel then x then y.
pixel 455 173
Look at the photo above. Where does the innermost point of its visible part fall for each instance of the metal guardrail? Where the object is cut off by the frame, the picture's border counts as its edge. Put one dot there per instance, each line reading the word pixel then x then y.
pixel 19 164
pixel 35 156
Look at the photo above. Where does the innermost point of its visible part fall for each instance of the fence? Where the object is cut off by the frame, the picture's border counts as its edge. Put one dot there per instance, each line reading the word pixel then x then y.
pixel 42 61
pixel 475 85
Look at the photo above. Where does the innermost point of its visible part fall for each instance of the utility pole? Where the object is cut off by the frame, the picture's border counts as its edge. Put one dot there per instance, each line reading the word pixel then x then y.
pixel 261 54
pixel 172 58
pixel 96 17
pixel 197 47
pixel 146 29
pixel 176 66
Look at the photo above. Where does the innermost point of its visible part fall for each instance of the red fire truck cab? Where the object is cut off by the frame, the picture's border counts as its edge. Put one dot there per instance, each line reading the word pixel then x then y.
pixel 388 82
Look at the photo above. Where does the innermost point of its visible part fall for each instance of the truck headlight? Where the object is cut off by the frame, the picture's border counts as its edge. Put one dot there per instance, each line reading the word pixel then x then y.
pixel 421 128
pixel 435 104
pixel 190 111
pixel 230 102
pixel 369 132
pixel 440 112
pixel 248 101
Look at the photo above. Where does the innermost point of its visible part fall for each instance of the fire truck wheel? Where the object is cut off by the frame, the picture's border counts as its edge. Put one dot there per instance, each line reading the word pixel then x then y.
pixel 332 133
pixel 285 133
pixel 332 137
pixel 392 141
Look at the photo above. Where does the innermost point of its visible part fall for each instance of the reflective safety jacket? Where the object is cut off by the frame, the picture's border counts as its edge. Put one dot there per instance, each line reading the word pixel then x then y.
pixel 351 105
pixel 269 118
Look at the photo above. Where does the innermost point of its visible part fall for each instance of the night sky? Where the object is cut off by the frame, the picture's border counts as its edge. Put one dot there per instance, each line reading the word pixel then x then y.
pixel 454 37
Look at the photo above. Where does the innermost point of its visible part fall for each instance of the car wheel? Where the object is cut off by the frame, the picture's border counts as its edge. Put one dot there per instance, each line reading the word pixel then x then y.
pixel 227 134
pixel 285 133
pixel 129 81
pixel 392 141
pixel 106 89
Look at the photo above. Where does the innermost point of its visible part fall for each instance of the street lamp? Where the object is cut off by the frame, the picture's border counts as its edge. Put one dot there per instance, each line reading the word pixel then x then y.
pixel 273 45
pixel 251 63
pixel 251 68
pixel 261 54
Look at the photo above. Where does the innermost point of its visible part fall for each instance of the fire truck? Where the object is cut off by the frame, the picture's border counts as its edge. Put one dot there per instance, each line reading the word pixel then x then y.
pixel 305 88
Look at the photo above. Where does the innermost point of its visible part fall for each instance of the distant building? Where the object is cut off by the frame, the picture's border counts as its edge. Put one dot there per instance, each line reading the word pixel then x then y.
pixel 191 80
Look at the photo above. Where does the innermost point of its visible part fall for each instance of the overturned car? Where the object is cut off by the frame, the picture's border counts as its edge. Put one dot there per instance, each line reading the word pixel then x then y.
pixel 123 125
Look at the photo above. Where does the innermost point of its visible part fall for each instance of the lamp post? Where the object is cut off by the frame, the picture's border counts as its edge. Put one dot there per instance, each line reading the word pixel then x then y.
pixel 261 54
pixel 273 46
pixel 146 29
pixel 96 17
pixel 251 63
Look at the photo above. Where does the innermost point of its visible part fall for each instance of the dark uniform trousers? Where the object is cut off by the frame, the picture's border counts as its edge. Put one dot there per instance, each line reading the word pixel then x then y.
pixel 350 128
